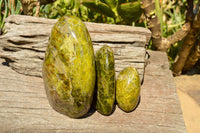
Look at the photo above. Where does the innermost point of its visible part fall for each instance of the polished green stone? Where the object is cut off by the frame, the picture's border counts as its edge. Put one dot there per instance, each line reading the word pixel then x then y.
pixel 69 68
pixel 105 67
pixel 128 89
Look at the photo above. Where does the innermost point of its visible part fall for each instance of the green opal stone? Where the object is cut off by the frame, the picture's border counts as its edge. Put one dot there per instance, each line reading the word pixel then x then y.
pixel 128 89
pixel 69 68
pixel 105 67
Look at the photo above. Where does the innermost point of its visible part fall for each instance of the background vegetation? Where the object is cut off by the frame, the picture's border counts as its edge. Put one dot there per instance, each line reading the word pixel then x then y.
pixel 171 14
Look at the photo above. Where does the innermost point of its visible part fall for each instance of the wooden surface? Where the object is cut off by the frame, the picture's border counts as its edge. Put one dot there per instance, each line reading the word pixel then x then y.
pixel 24 106
pixel 24 44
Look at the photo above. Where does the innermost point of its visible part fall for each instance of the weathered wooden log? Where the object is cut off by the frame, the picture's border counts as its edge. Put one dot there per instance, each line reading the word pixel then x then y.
pixel 23 103
pixel 24 107
pixel 25 42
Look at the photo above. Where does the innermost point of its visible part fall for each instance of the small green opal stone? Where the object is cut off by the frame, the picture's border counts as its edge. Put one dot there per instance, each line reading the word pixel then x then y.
pixel 69 68
pixel 128 89
pixel 105 67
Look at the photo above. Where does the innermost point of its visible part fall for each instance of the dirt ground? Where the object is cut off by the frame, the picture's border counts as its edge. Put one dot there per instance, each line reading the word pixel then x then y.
pixel 188 89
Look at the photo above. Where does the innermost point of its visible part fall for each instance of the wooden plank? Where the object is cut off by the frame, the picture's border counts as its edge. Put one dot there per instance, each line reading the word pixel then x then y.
pixel 24 44
pixel 92 27
pixel 25 108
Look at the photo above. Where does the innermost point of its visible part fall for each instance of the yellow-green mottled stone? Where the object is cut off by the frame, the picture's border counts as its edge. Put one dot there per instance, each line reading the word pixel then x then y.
pixel 69 68
pixel 105 67
pixel 128 89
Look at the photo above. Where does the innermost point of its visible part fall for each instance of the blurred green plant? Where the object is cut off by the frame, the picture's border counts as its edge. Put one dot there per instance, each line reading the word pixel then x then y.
pixel 173 20
pixel 15 10
pixel 3 14
pixel 71 7
pixel 5 11
pixel 58 9
pixel 122 11
pixel 173 15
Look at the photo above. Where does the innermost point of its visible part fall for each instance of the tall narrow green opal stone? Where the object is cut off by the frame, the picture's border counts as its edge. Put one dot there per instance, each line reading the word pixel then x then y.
pixel 128 89
pixel 105 66
pixel 69 68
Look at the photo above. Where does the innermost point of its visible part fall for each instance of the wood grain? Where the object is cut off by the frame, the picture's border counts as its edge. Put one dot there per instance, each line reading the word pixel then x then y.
pixel 25 108
pixel 24 44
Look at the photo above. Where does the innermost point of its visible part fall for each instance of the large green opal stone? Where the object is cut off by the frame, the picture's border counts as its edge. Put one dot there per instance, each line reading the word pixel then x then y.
pixel 105 66
pixel 128 89
pixel 69 68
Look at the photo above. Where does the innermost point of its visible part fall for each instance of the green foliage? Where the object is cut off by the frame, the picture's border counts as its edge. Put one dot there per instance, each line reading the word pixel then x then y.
pixel 71 7
pixel 59 9
pixel 99 7
pixel 103 11
pixel 17 9
pixel 5 11
pixel 122 11
pixel 174 18
pixel 111 3
pixel 159 12
pixel 130 11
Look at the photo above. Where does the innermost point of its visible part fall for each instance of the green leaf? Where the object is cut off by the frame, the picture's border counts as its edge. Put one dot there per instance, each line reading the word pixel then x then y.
pixel 18 7
pixel 12 9
pixel 46 9
pixel 111 3
pixel 68 3
pixel 159 12
pixel 75 10
pixel 130 12
pixel 99 7
pixel 1 1
pixel 5 14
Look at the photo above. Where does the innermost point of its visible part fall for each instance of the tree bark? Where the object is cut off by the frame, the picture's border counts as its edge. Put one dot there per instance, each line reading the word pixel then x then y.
pixel 184 52
pixel 188 32
pixel 190 14
pixel 188 41
pixel 153 22
pixel 177 36
pixel 193 57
